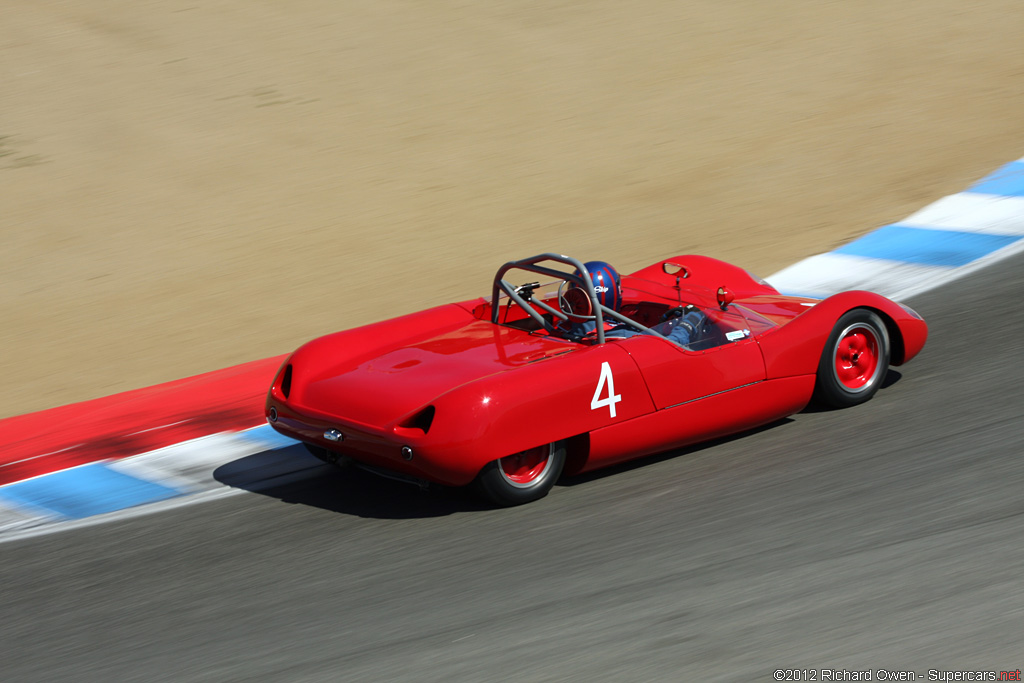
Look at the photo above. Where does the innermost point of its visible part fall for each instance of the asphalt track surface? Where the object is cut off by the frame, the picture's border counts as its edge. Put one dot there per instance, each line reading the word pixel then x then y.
pixel 884 536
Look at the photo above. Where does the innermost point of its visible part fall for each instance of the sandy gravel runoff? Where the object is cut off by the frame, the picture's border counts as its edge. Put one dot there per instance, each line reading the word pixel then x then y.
pixel 186 185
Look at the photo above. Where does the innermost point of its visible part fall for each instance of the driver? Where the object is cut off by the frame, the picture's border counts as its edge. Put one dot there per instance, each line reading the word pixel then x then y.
pixel 682 327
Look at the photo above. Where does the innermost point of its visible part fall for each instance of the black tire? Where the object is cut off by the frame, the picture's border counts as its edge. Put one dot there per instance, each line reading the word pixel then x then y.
pixel 537 470
pixel 855 360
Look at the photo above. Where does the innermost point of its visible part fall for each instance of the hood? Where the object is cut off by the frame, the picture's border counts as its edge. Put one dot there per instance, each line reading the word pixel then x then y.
pixel 361 377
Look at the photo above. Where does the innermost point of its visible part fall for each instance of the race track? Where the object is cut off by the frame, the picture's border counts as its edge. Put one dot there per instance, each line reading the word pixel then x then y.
pixel 885 536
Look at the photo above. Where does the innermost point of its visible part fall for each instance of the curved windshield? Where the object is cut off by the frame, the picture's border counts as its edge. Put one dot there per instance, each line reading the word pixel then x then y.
pixel 700 329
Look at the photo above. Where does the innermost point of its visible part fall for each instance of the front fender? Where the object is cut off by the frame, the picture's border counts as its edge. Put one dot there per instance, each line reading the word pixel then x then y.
pixel 796 347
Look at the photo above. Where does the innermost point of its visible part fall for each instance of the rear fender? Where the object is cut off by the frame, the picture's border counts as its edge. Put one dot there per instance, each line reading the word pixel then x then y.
pixel 559 398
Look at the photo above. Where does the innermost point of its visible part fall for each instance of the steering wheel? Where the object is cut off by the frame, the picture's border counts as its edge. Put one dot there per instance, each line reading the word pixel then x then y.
pixel 575 303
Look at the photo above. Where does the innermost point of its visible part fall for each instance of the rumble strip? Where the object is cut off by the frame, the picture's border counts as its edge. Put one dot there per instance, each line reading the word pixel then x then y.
pixel 954 236
pixel 199 469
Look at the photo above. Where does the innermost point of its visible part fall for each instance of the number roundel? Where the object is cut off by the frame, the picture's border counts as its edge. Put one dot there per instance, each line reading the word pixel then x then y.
pixel 605 381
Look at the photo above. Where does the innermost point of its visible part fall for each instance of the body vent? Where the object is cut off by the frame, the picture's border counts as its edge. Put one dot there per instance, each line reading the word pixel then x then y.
pixel 420 421
pixel 286 381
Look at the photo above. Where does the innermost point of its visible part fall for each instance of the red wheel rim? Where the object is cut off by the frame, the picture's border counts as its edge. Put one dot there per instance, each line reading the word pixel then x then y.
pixel 856 361
pixel 526 468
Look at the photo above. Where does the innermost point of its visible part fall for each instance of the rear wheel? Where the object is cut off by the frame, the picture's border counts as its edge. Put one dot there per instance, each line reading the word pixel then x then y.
pixel 522 477
pixel 855 360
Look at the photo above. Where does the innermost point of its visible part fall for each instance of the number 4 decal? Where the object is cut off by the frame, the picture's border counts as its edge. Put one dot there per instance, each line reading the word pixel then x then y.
pixel 613 398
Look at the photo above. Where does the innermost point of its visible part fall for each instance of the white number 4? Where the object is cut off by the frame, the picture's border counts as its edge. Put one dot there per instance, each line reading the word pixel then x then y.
pixel 613 398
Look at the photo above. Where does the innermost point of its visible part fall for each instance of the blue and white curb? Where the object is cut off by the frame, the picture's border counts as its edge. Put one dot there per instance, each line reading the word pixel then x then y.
pixel 946 240
pixel 170 477
pixel 956 235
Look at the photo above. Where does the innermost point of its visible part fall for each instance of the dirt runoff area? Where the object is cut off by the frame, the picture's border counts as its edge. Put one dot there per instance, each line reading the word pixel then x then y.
pixel 191 184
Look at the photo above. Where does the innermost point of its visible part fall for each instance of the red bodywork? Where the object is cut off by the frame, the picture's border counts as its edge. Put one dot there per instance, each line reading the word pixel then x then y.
pixel 458 391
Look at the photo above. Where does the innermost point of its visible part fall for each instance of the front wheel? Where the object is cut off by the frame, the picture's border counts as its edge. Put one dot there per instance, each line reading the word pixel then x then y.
pixel 522 477
pixel 855 360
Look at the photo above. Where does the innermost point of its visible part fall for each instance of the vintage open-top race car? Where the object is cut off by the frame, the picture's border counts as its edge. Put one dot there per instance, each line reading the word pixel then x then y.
pixel 580 369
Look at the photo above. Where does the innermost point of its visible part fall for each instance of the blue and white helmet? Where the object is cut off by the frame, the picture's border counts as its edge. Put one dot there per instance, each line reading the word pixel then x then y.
pixel 607 284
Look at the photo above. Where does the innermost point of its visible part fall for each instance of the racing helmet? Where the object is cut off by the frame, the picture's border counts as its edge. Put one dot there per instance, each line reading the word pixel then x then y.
pixel 607 283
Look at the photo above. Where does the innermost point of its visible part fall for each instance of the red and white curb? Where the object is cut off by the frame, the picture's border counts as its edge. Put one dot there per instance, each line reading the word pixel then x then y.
pixel 206 468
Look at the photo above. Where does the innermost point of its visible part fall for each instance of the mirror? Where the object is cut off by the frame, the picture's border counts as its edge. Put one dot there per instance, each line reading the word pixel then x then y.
pixel 725 297
pixel 674 269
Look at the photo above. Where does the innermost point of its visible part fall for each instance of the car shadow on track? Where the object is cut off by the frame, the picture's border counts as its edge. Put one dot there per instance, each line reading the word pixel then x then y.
pixel 891 377
pixel 655 458
pixel 293 476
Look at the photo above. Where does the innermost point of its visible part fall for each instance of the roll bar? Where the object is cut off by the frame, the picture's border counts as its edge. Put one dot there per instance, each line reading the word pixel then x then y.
pixel 582 279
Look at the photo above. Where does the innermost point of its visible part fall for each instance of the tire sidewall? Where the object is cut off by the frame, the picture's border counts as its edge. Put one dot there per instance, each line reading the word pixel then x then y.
pixel 492 485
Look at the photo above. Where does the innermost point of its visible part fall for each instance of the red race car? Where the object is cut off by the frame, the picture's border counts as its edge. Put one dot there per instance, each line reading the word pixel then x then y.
pixel 578 368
